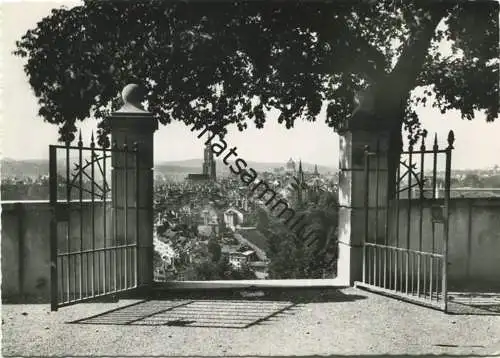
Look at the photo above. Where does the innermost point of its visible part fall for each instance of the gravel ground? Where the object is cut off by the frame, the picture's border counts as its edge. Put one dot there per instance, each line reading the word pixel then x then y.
pixel 349 323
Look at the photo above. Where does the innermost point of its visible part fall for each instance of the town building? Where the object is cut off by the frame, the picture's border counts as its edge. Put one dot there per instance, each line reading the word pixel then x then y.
pixel 233 218
pixel 238 259
pixel 290 166
pixel 208 168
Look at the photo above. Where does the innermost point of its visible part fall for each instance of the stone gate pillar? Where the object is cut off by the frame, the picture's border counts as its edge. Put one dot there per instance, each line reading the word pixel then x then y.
pixel 362 130
pixel 135 127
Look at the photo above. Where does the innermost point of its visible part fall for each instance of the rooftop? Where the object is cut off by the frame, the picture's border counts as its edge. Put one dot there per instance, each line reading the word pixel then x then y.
pixel 255 237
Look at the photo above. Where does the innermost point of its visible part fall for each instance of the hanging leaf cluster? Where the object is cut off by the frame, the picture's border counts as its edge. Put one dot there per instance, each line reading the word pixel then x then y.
pixel 229 62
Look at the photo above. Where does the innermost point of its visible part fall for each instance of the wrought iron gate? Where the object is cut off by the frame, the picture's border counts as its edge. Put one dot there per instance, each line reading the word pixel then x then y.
pixel 94 250
pixel 405 246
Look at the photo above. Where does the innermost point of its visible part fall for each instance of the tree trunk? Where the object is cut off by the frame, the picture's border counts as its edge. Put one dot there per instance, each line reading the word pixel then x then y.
pixel 391 93
pixel 393 156
pixel 390 98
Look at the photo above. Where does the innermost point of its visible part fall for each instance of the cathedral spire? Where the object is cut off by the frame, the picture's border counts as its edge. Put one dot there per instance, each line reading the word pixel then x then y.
pixel 301 173
pixel 300 184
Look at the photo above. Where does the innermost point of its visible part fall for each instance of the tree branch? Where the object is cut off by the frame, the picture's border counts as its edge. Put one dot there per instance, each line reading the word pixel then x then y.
pixel 391 92
pixel 373 65
pixel 415 51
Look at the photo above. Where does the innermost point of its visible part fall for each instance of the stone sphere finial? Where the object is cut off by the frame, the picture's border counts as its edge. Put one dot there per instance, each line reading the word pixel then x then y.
pixel 133 95
pixel 364 100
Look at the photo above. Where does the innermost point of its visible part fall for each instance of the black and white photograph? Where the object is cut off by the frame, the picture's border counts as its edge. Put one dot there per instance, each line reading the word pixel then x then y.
pixel 250 178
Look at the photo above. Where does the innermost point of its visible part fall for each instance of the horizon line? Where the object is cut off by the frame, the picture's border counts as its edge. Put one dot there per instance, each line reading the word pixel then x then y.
pixel 336 166
pixel 160 161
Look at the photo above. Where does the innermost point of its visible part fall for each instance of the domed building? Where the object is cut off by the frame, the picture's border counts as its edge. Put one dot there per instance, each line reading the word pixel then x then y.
pixel 290 166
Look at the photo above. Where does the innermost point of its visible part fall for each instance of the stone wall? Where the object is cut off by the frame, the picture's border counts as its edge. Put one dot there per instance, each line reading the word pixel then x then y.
pixel 474 237
pixel 26 244
pixel 474 242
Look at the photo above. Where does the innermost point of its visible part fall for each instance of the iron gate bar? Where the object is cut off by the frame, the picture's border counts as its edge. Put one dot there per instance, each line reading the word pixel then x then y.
pixel 80 194
pixel 388 258
pixel 92 298
pixel 92 189
pixel 68 199
pixel 434 166
pixel 366 200
pixel 408 217
pixel 395 248
pixel 421 209
pixel 96 250
pixel 376 258
pixel 53 226
pixel 137 206
pixel 451 140
pixel 105 239
pixel 425 278
pixel 431 277
pixel 403 296
pixel 115 222
pixel 377 169
pixel 125 212
pixel 398 258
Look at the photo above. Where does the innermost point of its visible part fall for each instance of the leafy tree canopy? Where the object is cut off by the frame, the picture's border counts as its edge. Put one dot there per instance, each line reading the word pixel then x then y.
pixel 228 62
pixel 293 254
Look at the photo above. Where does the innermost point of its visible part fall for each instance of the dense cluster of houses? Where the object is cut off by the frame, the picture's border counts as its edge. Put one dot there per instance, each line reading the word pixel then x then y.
pixel 191 213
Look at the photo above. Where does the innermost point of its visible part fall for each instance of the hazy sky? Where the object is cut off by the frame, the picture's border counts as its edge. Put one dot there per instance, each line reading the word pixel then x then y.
pixel 24 135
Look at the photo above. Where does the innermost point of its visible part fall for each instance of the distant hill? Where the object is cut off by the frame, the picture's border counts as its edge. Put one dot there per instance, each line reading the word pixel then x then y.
pixel 177 168
pixel 195 166
pixel 24 168
pixel 39 167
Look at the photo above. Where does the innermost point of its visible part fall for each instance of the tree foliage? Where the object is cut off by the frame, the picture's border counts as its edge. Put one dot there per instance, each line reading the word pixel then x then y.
pixel 228 62
pixel 214 249
pixel 157 259
pixel 218 270
pixel 294 255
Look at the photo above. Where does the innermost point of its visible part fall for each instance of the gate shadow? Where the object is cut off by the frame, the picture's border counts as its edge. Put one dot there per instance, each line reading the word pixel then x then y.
pixel 237 309
pixel 302 295
pixel 385 355
pixel 474 303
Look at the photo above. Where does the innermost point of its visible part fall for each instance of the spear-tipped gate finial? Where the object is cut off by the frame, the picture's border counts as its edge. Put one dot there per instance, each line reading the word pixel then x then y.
pixel 424 136
pixel 80 141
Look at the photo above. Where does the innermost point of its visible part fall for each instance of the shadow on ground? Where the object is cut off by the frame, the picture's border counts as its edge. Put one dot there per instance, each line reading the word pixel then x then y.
pixel 216 309
pixel 357 355
pixel 320 356
pixel 294 295
pixel 474 303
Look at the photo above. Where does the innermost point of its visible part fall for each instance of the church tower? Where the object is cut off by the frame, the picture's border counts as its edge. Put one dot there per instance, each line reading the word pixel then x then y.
pixel 316 173
pixel 301 173
pixel 209 163
pixel 301 185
